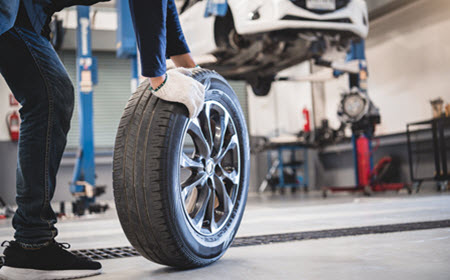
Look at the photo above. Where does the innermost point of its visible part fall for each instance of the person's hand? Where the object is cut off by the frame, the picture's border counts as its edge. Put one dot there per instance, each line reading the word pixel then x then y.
pixel 181 88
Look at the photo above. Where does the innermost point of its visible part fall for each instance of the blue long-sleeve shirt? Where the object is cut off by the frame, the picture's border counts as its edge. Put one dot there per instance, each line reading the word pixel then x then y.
pixel 156 24
pixel 37 10
pixel 158 34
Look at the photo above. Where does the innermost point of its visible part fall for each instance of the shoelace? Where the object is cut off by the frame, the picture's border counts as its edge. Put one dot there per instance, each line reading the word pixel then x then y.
pixel 63 245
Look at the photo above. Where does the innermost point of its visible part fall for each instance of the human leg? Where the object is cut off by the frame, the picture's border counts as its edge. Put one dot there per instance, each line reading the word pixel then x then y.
pixel 41 84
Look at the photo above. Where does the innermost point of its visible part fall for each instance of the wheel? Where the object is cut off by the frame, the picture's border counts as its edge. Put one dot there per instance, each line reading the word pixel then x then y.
pixel 180 185
pixel 261 85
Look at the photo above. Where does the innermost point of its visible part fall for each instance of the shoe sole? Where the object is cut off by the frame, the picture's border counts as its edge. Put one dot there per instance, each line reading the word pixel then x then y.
pixel 13 273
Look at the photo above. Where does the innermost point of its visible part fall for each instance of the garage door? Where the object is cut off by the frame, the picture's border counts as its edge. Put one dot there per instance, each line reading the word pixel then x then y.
pixel 110 96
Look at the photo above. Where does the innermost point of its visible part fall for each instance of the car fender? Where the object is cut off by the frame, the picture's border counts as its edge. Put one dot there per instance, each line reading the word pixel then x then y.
pixel 198 29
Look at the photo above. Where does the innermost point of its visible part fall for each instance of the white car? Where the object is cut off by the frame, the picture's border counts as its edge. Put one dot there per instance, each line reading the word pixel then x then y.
pixel 256 39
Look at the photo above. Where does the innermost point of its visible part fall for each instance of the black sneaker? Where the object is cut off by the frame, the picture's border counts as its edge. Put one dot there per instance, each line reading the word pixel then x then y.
pixel 48 263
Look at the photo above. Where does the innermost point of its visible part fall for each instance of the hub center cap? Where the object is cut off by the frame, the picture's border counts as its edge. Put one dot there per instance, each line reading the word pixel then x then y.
pixel 209 167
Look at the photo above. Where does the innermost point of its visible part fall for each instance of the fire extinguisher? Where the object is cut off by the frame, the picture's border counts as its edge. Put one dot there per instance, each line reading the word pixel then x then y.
pixel 13 122
pixel 306 126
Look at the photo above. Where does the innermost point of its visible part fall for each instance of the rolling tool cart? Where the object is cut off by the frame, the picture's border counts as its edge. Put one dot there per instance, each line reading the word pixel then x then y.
pixel 430 137
pixel 287 169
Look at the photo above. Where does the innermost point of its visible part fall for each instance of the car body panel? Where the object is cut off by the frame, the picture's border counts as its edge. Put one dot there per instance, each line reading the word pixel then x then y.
pixel 272 13
pixel 257 39
pixel 198 29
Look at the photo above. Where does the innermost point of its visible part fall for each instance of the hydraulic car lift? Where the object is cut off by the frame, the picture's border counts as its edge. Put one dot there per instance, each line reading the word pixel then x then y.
pixel 363 132
pixel 362 129
pixel 83 183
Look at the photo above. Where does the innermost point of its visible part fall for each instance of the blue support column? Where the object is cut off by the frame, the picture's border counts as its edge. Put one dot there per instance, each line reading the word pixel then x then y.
pixel 216 8
pixel 126 41
pixel 134 73
pixel 357 52
pixel 84 173
pixel 281 168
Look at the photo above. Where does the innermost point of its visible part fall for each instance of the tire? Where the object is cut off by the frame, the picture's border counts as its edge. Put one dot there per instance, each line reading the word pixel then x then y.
pixel 151 162
pixel 261 85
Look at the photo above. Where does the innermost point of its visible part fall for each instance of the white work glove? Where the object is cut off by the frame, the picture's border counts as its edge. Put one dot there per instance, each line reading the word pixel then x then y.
pixel 187 71
pixel 180 87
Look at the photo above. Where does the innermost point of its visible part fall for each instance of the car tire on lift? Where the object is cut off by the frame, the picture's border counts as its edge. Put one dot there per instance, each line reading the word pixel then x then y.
pixel 149 161
pixel 261 85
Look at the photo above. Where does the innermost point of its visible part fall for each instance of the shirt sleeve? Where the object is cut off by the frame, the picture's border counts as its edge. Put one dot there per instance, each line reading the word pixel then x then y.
pixel 149 21
pixel 176 43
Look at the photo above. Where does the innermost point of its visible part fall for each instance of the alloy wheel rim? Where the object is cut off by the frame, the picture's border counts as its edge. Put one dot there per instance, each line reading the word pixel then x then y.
pixel 210 172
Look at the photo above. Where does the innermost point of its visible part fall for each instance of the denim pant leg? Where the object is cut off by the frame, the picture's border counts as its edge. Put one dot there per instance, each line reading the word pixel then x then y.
pixel 39 81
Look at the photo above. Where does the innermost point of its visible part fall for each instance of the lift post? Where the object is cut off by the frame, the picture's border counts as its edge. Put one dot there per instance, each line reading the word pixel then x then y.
pixel 216 8
pixel 83 183
pixel 360 139
pixel 126 41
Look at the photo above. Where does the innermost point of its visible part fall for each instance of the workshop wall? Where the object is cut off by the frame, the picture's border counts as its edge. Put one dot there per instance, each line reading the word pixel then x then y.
pixel 408 54
pixel 408 57
pixel 280 112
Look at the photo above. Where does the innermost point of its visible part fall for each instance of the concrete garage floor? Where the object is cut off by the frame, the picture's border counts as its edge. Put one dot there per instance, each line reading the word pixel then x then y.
pixel 423 254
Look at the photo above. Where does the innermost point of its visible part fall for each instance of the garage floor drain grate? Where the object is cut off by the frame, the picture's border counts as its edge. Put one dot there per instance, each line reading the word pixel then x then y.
pixel 123 252
pixel 107 253
pixel 333 233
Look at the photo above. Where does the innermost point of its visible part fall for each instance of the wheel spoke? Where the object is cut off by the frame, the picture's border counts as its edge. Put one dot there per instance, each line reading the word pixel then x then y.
pixel 210 212
pixel 200 215
pixel 189 163
pixel 219 136
pixel 232 144
pixel 201 143
pixel 206 121
pixel 224 198
pixel 192 182
pixel 232 176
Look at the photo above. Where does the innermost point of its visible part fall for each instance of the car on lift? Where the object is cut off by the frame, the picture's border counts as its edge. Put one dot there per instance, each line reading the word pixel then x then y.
pixel 256 39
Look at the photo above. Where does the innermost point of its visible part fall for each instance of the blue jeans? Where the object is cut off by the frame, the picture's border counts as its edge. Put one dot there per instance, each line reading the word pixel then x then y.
pixel 39 81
